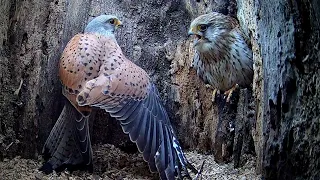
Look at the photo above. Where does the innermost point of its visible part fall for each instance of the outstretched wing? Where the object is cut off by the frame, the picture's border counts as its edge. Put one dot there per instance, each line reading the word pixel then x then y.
pixel 127 94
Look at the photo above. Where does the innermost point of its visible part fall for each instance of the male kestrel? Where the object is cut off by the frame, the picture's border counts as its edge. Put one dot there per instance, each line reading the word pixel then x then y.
pixel 95 73
pixel 222 57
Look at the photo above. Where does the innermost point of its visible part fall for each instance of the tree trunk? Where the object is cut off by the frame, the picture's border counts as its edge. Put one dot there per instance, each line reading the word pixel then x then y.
pixel 286 53
pixel 284 37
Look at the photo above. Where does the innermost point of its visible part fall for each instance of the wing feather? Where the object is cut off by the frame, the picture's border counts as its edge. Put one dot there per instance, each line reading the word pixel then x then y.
pixel 127 94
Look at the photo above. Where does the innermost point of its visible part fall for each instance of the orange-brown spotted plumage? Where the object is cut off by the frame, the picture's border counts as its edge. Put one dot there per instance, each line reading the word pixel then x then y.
pixel 79 63
pixel 96 61
pixel 95 65
pixel 126 78
pixel 95 73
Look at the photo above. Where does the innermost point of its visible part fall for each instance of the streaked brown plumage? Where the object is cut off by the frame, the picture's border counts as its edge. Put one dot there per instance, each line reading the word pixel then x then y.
pixel 95 73
pixel 222 57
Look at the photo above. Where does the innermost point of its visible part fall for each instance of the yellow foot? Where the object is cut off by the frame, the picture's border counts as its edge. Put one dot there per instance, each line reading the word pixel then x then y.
pixel 214 93
pixel 230 91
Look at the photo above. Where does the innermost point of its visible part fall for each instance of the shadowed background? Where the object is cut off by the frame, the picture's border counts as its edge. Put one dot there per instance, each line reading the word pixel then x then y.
pixel 284 37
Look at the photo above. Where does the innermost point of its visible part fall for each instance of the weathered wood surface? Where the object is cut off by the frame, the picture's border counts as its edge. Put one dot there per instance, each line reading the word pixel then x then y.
pixel 286 86
pixel 154 37
pixel 284 37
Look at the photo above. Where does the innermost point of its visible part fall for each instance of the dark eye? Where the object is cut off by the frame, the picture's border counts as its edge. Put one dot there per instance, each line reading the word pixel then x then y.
pixel 202 27
pixel 111 21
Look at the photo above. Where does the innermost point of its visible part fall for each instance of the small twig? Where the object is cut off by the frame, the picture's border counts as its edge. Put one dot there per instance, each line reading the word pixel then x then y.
pixel 199 174
pixel 8 146
pixel 305 59
pixel 16 92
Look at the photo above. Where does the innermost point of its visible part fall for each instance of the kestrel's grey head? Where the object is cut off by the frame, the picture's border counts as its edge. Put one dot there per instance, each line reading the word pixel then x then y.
pixel 103 24
pixel 209 29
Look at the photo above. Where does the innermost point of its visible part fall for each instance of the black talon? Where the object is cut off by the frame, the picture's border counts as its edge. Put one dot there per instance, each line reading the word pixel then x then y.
pixel 192 168
pixel 200 171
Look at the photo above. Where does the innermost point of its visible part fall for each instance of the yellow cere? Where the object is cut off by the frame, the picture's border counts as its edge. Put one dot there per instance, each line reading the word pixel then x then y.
pixel 117 22
pixel 194 29
pixel 199 27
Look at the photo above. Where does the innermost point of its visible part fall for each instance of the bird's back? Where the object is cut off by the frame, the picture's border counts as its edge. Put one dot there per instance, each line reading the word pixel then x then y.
pixel 79 63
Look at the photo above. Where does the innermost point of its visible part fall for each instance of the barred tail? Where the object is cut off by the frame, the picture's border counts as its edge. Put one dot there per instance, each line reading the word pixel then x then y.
pixel 68 142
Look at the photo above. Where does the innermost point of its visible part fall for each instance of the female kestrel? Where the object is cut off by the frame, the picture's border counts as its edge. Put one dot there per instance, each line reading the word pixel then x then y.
pixel 222 57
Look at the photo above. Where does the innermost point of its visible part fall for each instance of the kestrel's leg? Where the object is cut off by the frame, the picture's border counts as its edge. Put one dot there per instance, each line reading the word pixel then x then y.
pixel 214 92
pixel 230 91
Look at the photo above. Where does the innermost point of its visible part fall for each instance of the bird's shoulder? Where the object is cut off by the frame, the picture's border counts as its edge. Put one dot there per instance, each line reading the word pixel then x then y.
pixel 80 62
pixel 233 21
pixel 239 33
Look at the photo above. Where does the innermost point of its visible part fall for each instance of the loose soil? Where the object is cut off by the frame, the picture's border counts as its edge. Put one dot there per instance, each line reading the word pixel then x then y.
pixel 111 163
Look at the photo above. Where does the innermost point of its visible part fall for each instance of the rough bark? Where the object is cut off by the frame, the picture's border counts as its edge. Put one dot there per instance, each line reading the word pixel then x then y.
pixel 284 37
pixel 154 37
pixel 286 52
pixel 27 75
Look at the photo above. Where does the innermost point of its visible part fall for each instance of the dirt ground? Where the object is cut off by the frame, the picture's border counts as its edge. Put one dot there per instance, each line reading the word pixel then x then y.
pixel 111 163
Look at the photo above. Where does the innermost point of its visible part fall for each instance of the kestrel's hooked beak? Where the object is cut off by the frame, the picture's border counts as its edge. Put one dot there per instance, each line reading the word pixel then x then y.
pixel 118 23
pixel 192 31
pixel 196 34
